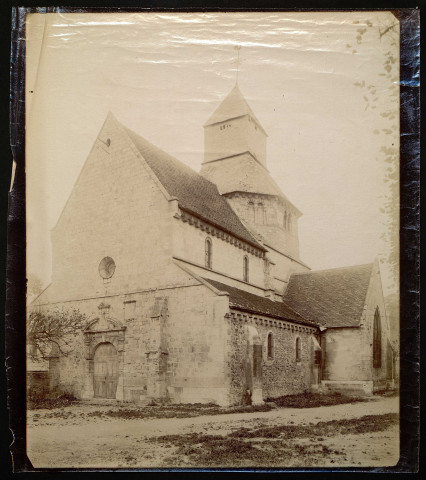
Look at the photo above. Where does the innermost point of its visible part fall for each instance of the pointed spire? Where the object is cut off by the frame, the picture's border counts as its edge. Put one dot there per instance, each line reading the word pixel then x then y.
pixel 233 106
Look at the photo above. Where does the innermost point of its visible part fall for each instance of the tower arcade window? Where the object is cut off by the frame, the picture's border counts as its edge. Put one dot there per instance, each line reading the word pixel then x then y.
pixel 246 268
pixel 377 340
pixel 298 350
pixel 270 346
pixel 260 214
pixel 251 212
pixel 285 220
pixel 208 253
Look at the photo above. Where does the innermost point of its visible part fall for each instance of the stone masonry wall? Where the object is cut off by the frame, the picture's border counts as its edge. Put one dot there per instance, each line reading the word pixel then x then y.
pixel 282 268
pixel 116 209
pixel 375 300
pixel 343 355
pixel 349 351
pixel 196 342
pixel 281 375
pixel 174 345
pixel 282 237
pixel 189 244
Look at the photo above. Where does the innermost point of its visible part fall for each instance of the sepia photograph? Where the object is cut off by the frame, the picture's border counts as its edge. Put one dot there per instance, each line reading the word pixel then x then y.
pixel 212 225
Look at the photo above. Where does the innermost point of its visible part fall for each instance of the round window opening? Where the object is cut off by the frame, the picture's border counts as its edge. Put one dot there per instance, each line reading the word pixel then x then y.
pixel 107 267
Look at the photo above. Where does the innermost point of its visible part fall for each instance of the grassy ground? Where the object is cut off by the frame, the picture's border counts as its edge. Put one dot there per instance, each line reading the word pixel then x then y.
pixel 271 446
pixel 130 436
pixel 312 400
pixel 133 411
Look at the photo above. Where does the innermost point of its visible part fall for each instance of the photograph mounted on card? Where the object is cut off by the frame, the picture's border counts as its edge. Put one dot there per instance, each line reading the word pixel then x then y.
pixel 213 239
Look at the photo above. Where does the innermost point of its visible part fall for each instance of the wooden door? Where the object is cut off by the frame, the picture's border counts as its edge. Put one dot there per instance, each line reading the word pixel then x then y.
pixel 105 375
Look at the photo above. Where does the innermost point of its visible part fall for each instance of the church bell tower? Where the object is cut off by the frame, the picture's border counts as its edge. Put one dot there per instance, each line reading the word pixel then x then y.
pixel 235 160
pixel 232 130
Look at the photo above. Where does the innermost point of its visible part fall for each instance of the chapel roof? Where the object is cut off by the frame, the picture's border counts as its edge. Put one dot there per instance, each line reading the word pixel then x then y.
pixel 240 299
pixel 195 194
pixel 233 106
pixel 333 298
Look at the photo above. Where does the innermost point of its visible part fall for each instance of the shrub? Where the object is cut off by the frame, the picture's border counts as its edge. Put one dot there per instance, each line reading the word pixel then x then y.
pixel 37 400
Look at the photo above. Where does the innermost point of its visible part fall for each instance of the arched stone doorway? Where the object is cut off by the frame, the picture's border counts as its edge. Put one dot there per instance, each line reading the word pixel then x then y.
pixel 104 361
pixel 105 371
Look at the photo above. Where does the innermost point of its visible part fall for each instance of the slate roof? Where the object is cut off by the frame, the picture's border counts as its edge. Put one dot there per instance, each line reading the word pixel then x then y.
pixel 249 302
pixel 333 298
pixel 195 193
pixel 234 105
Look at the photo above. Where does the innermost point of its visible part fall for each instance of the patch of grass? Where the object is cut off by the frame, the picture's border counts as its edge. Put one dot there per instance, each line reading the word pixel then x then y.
pixel 312 400
pixel 269 446
pixel 175 411
pixel 366 424
pixel 217 450
pixel 59 401
pixel 158 411
pixel 64 414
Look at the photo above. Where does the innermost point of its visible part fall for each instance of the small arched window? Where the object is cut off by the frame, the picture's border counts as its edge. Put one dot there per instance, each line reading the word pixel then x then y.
pixel 246 268
pixel 270 346
pixel 251 212
pixel 260 214
pixel 298 350
pixel 208 253
pixel 377 340
pixel 285 220
pixel 289 219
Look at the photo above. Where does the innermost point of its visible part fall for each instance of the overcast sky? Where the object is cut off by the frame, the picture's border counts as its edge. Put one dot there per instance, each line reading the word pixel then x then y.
pixel 162 75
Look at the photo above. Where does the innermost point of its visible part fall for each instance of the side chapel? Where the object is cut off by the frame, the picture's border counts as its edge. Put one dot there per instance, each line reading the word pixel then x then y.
pixel 194 284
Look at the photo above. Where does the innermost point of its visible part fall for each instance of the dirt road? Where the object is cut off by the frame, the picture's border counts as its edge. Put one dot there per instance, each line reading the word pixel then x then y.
pixel 76 439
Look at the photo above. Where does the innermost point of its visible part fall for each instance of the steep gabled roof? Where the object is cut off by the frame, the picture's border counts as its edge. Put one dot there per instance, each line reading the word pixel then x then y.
pixel 195 193
pixel 240 299
pixel 333 298
pixel 233 106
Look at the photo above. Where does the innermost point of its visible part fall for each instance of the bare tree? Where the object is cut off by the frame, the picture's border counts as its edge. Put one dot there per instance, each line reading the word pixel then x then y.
pixel 55 330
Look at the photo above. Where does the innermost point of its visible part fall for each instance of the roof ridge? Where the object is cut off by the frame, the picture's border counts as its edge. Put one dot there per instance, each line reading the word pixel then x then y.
pixel 334 269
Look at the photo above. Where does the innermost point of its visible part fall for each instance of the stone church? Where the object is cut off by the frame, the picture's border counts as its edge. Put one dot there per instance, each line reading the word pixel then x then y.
pixel 193 282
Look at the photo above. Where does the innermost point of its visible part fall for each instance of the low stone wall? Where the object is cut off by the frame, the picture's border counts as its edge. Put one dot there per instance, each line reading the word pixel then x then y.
pixel 37 383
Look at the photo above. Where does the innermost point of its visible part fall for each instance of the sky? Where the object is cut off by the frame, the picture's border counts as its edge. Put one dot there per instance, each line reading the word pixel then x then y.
pixel 163 74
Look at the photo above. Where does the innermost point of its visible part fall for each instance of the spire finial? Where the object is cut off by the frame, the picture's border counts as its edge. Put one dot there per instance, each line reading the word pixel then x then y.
pixel 237 61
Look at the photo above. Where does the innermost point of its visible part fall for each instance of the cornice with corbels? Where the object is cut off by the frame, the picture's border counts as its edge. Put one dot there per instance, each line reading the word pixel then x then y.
pixel 258 320
pixel 213 231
